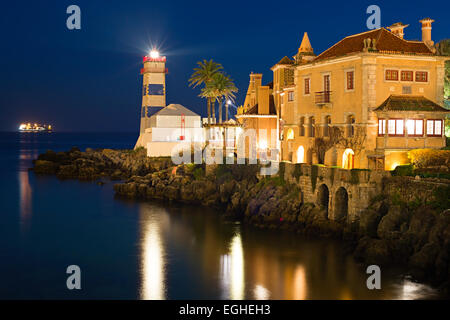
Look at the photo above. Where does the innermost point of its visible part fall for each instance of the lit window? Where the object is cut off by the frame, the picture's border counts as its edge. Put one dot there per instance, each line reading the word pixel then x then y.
pixel 399 127
pixel 407 75
pixel 291 96
pixel 434 128
pixel 392 75
pixel 421 76
pixel 381 127
pixel 307 85
pixel 414 127
pixel 350 80
pixel 395 127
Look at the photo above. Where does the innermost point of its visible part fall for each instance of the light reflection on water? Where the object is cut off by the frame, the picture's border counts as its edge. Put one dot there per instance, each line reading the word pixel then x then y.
pixel 153 258
pixel 244 263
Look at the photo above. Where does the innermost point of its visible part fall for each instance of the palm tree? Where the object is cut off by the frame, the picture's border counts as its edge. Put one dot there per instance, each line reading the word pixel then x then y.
pixel 203 74
pixel 224 89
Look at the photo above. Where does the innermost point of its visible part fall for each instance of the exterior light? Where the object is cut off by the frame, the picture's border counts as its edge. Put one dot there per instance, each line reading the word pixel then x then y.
pixel 262 144
pixel 154 54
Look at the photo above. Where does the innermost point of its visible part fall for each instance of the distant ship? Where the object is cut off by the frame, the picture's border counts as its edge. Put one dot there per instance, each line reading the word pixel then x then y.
pixel 36 127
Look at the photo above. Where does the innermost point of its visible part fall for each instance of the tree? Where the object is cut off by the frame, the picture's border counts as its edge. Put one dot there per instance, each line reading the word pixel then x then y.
pixel 224 89
pixel 204 74
pixel 337 138
pixel 443 49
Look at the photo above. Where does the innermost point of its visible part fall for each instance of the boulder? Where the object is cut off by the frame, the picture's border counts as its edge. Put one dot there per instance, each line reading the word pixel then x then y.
pixel 45 167
pixel 390 224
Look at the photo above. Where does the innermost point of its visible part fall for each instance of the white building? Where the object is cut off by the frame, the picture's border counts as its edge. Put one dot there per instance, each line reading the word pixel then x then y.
pixel 169 127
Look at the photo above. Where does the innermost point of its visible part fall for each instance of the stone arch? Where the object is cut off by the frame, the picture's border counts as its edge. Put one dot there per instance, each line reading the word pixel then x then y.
pixel 341 204
pixel 323 197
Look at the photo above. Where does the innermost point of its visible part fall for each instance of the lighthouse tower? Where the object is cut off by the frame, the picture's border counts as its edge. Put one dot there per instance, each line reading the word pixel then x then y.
pixel 153 92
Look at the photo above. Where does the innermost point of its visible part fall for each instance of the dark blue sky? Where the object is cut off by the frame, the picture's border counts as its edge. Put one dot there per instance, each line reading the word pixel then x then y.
pixel 88 80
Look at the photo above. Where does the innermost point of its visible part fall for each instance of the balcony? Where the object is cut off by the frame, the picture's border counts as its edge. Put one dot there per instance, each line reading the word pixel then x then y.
pixel 323 97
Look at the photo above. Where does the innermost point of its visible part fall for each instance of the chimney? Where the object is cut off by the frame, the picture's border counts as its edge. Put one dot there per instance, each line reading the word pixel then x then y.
pixel 397 29
pixel 426 31
pixel 263 100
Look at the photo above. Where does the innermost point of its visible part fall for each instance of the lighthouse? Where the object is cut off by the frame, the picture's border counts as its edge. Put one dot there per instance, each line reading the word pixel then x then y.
pixel 163 127
pixel 154 87
pixel 153 92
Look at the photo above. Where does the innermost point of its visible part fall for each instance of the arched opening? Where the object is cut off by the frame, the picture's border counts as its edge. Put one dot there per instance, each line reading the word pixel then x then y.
pixel 341 204
pixel 323 197
pixel 290 134
pixel 348 159
pixel 300 154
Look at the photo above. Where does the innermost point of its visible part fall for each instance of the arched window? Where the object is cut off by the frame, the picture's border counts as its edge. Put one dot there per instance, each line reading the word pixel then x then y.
pixel 348 159
pixel 326 126
pixel 290 134
pixel 312 127
pixel 300 154
pixel 350 126
pixel 302 126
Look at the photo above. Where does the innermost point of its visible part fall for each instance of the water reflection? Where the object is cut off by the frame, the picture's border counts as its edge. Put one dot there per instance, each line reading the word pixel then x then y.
pixel 27 152
pixel 25 200
pixel 217 260
pixel 153 223
pixel 232 270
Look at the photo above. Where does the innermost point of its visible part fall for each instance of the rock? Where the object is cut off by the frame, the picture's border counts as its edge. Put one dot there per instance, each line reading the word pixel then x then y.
pixel 67 171
pixel 423 261
pixel 369 221
pixel 45 167
pixel 373 251
pixel 116 175
pixel 389 226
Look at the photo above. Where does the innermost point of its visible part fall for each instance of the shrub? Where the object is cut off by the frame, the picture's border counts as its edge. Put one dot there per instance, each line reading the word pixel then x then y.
pixel 423 158
pixel 198 173
pixel 403 170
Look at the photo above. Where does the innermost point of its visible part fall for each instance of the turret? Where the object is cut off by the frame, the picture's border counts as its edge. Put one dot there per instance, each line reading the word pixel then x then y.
pixel 426 31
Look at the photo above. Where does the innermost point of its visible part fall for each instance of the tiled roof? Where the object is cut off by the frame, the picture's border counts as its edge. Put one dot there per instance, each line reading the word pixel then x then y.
pixel 254 110
pixel 175 110
pixel 385 41
pixel 285 60
pixel 409 103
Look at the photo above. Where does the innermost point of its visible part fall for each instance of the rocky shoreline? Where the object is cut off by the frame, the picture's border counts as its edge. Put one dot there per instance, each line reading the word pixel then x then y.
pixel 390 231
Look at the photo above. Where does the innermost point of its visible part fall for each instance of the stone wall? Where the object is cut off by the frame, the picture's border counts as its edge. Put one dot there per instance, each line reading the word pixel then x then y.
pixel 332 187
pixel 409 189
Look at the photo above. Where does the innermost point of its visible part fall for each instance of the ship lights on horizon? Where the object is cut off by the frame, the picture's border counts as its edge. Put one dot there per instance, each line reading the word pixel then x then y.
pixel 34 127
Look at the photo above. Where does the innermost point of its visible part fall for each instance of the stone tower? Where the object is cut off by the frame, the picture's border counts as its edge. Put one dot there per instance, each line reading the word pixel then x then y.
pixel 154 87
pixel 305 51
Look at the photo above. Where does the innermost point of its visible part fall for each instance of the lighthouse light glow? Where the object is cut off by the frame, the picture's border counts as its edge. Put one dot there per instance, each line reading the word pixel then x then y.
pixel 154 54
